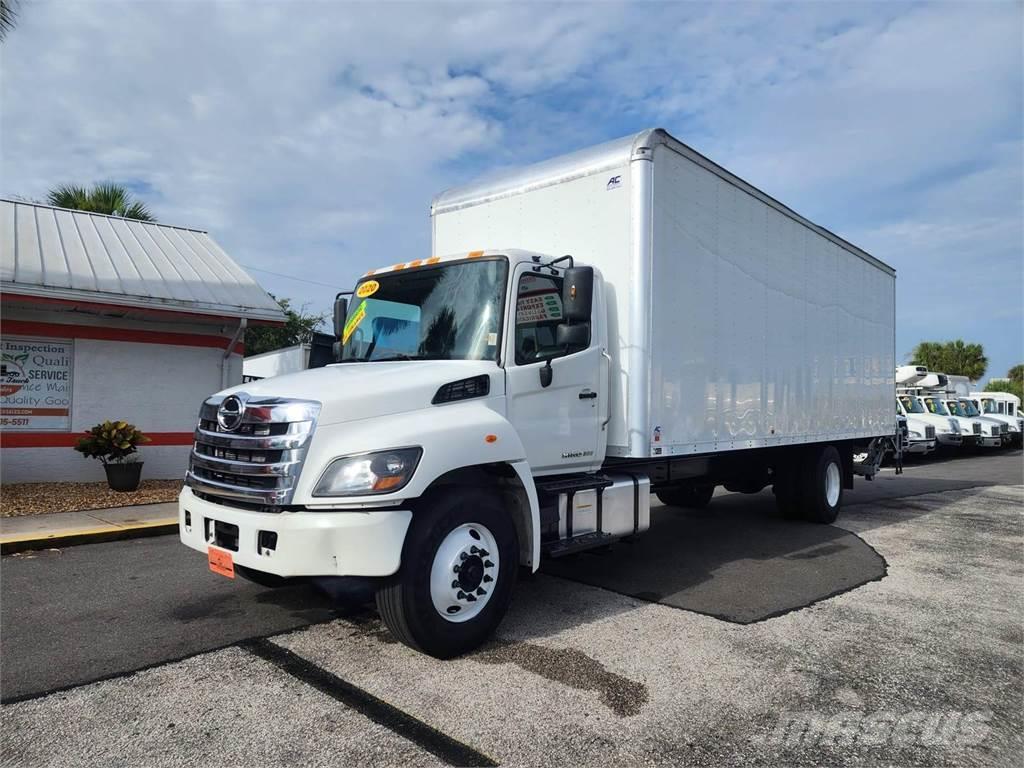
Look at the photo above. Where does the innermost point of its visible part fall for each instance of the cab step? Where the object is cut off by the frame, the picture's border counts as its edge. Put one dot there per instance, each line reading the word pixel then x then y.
pixel 576 544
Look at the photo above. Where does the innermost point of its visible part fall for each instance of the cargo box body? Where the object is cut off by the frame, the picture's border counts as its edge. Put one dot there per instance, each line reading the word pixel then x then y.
pixel 734 323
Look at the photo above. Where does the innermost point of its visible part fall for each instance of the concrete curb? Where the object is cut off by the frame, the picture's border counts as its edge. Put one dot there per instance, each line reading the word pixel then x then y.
pixel 10 545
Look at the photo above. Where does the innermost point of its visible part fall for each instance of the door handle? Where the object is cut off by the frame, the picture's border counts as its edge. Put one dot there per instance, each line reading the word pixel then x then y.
pixel 587 395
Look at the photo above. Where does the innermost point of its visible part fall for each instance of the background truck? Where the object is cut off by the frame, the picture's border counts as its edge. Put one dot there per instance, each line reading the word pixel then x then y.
pixel 624 320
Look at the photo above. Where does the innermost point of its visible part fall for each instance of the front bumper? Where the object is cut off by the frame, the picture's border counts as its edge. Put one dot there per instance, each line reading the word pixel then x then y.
pixel 987 441
pixel 338 543
pixel 919 447
pixel 950 438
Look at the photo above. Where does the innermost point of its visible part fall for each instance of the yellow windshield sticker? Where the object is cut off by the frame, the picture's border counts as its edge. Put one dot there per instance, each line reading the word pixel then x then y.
pixel 354 321
pixel 368 288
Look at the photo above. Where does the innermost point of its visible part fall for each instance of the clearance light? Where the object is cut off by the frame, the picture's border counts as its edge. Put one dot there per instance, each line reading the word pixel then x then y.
pixel 369 473
pixel 491 438
pixel 433 260
pixel 475 254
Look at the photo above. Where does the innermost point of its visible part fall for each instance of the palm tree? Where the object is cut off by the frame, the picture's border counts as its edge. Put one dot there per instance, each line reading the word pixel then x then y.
pixel 8 13
pixel 104 197
pixel 953 357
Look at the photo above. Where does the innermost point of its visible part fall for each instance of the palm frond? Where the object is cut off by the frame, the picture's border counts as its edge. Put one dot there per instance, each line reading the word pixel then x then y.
pixel 8 16
pixel 104 197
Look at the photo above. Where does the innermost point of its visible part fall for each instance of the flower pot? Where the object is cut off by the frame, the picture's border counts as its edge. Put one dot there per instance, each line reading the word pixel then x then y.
pixel 124 477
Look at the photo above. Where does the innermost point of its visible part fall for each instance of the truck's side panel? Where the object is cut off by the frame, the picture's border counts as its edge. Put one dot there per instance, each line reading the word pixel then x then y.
pixel 587 216
pixel 764 332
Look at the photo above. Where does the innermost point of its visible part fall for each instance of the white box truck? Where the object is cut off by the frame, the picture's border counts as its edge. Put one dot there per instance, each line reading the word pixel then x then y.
pixel 626 320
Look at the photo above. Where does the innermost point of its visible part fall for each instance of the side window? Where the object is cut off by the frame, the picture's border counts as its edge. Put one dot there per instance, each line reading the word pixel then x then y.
pixel 538 313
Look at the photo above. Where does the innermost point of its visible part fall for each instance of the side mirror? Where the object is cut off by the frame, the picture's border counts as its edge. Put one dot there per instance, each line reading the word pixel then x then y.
pixel 340 313
pixel 546 374
pixel 577 294
pixel 572 338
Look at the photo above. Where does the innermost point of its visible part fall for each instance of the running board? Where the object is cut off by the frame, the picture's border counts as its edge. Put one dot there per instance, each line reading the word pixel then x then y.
pixel 576 544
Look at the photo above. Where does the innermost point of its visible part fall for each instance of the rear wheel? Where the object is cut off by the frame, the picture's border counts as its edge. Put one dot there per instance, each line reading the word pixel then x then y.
pixel 687 496
pixel 458 571
pixel 822 485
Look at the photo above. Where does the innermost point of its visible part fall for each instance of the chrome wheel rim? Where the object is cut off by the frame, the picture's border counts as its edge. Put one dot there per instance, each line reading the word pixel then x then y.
pixel 833 484
pixel 464 572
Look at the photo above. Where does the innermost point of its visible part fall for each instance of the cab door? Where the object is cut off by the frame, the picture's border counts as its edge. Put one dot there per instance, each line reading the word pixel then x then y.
pixel 560 424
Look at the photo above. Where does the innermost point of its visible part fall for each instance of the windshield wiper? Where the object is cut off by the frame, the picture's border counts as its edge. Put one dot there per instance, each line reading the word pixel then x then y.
pixel 400 356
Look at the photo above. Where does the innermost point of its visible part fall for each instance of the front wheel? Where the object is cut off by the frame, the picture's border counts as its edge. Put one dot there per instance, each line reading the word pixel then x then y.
pixel 458 571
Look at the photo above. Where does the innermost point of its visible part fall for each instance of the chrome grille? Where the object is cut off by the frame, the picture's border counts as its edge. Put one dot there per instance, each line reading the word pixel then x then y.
pixel 257 461
pixel 1004 428
pixel 929 433
pixel 995 430
pixel 977 428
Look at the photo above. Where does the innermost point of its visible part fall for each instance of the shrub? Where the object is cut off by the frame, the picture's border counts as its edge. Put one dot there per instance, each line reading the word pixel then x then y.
pixel 112 442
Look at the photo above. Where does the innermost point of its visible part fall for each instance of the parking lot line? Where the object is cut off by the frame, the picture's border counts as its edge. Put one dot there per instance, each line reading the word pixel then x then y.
pixel 432 740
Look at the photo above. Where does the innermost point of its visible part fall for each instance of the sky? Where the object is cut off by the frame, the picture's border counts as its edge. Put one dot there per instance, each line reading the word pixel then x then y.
pixel 309 137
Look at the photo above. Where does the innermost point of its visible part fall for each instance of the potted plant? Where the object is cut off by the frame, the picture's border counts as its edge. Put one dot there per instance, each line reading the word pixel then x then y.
pixel 114 443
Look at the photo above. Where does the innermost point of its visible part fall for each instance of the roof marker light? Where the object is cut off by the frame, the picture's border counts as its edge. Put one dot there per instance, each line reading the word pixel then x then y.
pixel 475 254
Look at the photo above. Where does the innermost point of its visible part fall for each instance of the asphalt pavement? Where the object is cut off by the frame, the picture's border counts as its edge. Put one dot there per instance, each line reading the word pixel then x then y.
pixel 910 606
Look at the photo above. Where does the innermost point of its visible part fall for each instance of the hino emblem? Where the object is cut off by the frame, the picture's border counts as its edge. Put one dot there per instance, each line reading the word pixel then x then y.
pixel 229 413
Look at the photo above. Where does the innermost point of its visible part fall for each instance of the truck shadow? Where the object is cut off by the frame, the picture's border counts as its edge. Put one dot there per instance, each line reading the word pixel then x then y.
pixel 739 561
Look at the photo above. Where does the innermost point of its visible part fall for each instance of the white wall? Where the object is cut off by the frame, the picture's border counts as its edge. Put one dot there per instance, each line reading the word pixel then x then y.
pixel 157 387
pixel 36 465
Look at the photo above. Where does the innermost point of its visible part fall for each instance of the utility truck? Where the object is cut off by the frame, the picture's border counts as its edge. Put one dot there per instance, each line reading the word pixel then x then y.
pixel 628 320
pixel 1003 407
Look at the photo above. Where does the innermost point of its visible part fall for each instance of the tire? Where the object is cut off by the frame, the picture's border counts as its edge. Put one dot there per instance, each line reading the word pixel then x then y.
pixel 264 579
pixel 821 485
pixel 687 496
pixel 785 487
pixel 425 611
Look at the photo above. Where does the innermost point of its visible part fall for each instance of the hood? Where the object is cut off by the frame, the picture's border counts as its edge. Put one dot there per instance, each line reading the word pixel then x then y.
pixel 352 391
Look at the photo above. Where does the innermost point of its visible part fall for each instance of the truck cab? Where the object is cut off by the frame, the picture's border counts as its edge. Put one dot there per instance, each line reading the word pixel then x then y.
pixel 947 429
pixel 1003 407
pixel 920 431
pixel 993 431
pixel 970 429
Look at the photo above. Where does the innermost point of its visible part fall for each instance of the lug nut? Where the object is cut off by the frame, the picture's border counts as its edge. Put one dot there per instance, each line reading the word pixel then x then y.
pixel 484 553
pixel 462 595
pixel 473 550
pixel 487 579
pixel 481 591
pixel 455 584
pixel 471 598
pixel 463 555
pixel 488 564
pixel 455 568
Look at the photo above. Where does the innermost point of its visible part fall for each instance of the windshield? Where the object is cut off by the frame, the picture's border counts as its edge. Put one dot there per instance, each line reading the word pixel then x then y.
pixel 969 408
pixel 934 405
pixel 911 404
pixel 448 312
pixel 955 408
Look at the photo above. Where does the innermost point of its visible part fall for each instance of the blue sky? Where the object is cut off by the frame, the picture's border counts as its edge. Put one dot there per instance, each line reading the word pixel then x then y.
pixel 309 138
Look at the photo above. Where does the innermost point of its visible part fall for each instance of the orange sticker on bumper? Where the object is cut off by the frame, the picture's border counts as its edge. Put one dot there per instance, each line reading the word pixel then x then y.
pixel 221 562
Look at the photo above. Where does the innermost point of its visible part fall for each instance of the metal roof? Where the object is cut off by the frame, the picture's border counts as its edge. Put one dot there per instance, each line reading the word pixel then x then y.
pixel 90 257
pixel 605 157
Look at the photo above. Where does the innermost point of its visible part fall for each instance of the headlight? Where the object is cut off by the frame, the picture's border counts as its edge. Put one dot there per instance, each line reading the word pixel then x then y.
pixel 916 434
pixel 369 473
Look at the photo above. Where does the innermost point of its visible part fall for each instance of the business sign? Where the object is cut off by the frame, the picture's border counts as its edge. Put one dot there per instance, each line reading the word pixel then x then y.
pixel 35 384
